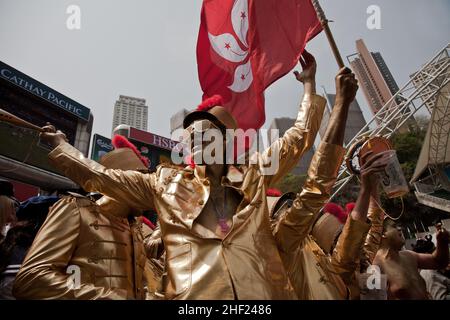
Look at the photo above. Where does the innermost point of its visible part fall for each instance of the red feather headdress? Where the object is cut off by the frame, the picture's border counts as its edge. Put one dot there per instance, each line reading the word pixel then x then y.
pixel 119 141
pixel 336 210
pixel 209 103
pixel 148 223
pixel 349 207
pixel 273 192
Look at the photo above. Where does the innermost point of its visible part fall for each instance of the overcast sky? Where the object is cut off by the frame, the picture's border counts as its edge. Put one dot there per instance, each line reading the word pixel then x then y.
pixel 146 49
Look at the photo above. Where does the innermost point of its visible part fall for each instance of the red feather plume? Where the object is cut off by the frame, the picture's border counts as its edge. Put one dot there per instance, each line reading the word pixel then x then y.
pixel 190 161
pixel 148 223
pixel 215 100
pixel 336 210
pixel 273 193
pixel 119 142
pixel 349 207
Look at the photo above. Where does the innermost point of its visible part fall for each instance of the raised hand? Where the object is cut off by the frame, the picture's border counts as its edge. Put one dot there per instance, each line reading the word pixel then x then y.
pixel 52 136
pixel 346 86
pixel 442 235
pixel 372 166
pixel 309 66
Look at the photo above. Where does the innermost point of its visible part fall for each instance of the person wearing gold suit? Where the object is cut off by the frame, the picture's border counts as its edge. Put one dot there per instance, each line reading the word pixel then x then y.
pixel 326 264
pixel 214 217
pixel 318 272
pixel 88 249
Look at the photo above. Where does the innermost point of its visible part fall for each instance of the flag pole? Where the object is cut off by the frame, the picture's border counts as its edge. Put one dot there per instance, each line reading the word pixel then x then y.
pixel 324 22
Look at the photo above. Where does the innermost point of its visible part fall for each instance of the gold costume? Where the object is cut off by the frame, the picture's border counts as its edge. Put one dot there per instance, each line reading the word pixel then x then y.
pixel 246 264
pixel 314 274
pixel 155 266
pixel 108 250
pixel 373 240
pixel 347 254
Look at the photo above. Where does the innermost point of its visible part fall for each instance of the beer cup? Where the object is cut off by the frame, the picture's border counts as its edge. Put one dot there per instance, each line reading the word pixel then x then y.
pixel 392 179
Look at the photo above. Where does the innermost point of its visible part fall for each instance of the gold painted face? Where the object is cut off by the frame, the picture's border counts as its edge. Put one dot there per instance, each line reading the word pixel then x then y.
pixel 197 132
pixel 201 126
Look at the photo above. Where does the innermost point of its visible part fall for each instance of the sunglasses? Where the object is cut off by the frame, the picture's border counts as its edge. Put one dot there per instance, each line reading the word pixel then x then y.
pixel 202 126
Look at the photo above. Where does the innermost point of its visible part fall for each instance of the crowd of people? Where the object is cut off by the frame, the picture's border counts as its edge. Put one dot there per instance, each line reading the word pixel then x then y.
pixel 219 235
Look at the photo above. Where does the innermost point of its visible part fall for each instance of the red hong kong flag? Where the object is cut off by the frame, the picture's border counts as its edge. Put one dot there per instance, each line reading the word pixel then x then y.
pixel 245 45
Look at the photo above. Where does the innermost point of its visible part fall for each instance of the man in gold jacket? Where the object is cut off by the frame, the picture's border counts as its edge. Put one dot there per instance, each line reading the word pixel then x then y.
pixel 320 268
pixel 314 272
pixel 87 249
pixel 214 218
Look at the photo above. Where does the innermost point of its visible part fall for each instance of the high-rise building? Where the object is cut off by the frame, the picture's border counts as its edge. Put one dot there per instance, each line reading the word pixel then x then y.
pixel 176 121
pixel 130 111
pixel 375 79
pixel 283 124
pixel 355 119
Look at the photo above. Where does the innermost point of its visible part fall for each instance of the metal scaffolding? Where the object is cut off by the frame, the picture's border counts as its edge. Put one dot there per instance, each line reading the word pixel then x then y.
pixel 421 91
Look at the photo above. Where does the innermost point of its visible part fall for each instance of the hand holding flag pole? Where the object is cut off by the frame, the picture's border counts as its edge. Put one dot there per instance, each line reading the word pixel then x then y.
pixel 324 22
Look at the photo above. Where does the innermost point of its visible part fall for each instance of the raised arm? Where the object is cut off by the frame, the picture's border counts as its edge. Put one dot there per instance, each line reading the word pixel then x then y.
pixel 439 258
pixel 295 224
pixel 43 274
pixel 293 227
pixel 373 240
pixel 284 153
pixel 132 188
pixel 346 255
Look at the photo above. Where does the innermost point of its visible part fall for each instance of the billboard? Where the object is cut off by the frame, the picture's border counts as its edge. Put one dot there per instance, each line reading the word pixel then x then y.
pixel 23 145
pixel 40 90
pixel 100 146
pixel 152 139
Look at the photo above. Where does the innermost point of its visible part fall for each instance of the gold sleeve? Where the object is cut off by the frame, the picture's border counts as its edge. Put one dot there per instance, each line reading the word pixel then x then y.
pixel 43 274
pixel 346 255
pixel 295 224
pixel 133 188
pixel 373 239
pixel 287 150
pixel 154 246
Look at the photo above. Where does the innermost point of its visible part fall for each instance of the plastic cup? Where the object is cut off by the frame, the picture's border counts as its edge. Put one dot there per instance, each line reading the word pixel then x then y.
pixel 392 179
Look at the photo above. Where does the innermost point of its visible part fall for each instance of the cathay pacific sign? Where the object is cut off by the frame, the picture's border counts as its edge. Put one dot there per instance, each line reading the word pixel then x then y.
pixel 18 78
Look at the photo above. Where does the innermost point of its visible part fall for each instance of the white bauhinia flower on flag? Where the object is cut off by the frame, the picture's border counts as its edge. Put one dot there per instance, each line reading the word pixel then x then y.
pixel 246 45
pixel 228 48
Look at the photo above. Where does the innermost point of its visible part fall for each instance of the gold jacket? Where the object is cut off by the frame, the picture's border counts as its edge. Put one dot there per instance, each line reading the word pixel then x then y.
pixel 246 264
pixel 373 240
pixel 347 254
pixel 107 249
pixel 314 274
pixel 155 266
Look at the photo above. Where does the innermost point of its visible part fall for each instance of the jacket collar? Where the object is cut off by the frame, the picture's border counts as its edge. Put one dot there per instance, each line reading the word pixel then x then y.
pixel 234 176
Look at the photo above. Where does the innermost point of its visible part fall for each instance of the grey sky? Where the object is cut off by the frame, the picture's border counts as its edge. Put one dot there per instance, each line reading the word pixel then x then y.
pixel 147 49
